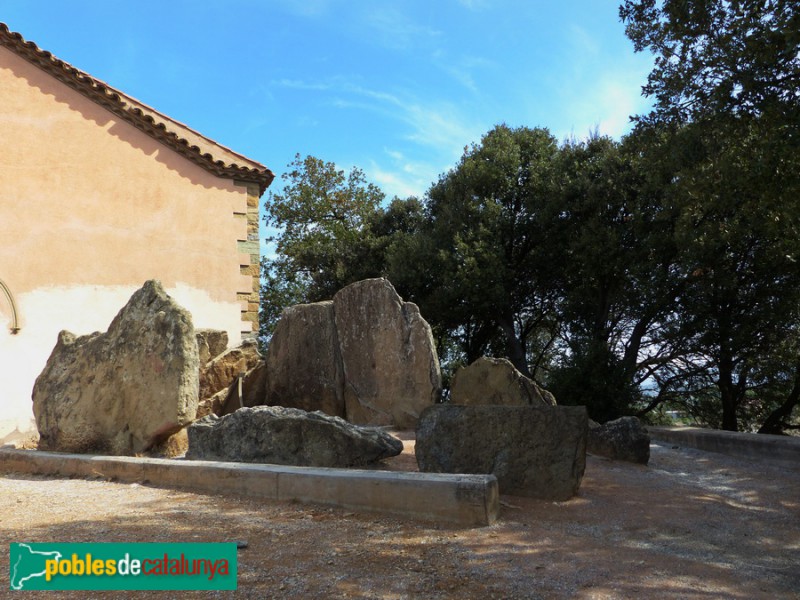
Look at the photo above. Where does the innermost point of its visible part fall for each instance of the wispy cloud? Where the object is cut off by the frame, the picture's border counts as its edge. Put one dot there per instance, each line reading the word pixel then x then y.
pixel 596 93
pixel 474 4
pixel 394 183
pixel 307 8
pixel 394 29
pixel 297 84
pixel 462 68
pixel 582 41
pixel 402 177
pixel 434 124
pixel 434 128
pixel 611 99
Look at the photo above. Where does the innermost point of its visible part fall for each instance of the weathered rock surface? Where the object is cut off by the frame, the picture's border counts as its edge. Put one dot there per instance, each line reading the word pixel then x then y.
pixel 221 371
pixel 391 370
pixel 122 391
pixel 497 382
pixel 366 356
pixel 622 439
pixel 536 451
pixel 304 368
pixel 210 344
pixel 226 400
pixel 254 386
pixel 288 436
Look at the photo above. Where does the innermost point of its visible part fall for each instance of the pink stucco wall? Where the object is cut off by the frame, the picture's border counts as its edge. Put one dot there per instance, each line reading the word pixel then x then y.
pixel 90 208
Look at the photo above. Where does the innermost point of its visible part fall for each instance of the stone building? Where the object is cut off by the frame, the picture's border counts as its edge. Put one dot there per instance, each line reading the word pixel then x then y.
pixel 99 193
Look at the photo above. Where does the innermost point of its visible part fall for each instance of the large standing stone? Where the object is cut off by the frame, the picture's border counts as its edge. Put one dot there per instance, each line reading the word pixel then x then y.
pixel 122 391
pixel 288 436
pixel 391 369
pixel 537 451
pixel 304 369
pixel 622 439
pixel 497 382
pixel 366 356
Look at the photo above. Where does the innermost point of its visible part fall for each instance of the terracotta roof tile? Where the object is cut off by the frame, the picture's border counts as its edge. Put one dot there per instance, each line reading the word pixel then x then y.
pixel 207 153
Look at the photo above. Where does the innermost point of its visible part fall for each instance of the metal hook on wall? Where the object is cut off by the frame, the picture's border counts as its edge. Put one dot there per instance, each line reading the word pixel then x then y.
pixel 14 318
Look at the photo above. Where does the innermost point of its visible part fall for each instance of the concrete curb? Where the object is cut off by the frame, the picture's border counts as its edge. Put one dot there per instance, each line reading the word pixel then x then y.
pixel 755 446
pixel 467 500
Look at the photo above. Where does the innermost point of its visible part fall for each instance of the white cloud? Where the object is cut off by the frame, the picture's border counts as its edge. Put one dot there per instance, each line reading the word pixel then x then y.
pixel 474 4
pixel 393 29
pixel 435 130
pixel 298 84
pixel 437 125
pixel 402 177
pixel 614 97
pixel 394 184
pixel 595 92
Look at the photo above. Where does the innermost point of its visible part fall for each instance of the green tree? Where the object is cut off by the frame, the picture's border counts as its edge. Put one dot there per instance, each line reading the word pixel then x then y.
pixel 478 264
pixel 717 56
pixel 725 85
pixel 616 288
pixel 738 233
pixel 322 240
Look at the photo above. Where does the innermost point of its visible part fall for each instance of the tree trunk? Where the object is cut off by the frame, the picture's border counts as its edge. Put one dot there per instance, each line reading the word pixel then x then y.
pixel 728 395
pixel 514 346
pixel 774 422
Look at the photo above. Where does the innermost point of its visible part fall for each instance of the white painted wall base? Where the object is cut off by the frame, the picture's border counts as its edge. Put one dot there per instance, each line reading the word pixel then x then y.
pixel 44 312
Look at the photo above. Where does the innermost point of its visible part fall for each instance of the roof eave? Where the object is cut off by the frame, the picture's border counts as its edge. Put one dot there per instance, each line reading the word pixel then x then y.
pixel 112 100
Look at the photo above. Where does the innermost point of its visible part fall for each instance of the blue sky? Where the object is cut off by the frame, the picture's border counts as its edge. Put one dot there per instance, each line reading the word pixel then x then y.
pixel 396 87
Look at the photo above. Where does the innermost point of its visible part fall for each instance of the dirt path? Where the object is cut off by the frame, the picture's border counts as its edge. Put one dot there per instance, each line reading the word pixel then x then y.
pixel 691 525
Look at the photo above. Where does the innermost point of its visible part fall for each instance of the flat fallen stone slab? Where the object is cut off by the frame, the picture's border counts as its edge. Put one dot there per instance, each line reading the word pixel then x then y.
pixel 466 500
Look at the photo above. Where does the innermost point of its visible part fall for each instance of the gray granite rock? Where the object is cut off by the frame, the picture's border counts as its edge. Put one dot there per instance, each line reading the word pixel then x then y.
pixel 389 360
pixel 304 368
pixel 536 451
pixel 288 436
pixel 622 439
pixel 366 356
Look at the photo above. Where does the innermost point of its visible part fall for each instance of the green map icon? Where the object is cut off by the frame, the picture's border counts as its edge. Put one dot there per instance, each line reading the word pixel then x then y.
pixel 27 564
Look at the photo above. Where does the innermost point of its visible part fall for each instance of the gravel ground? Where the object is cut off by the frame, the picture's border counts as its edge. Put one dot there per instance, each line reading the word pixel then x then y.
pixel 691 525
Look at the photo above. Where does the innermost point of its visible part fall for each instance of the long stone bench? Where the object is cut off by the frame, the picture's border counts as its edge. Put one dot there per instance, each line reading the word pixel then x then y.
pixel 758 446
pixel 466 500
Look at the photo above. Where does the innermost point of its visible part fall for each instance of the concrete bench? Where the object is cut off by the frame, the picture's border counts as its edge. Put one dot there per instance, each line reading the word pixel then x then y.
pixel 465 500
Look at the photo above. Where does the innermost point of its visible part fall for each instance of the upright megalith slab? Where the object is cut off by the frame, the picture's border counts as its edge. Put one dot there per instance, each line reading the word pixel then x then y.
pixel 389 360
pixel 304 369
pixel 366 356
pixel 497 382
pixel 536 451
pixel 122 391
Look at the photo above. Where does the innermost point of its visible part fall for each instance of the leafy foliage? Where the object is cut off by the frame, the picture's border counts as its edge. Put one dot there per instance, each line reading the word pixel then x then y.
pixel 726 89
pixel 478 264
pixel 321 219
pixel 717 56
